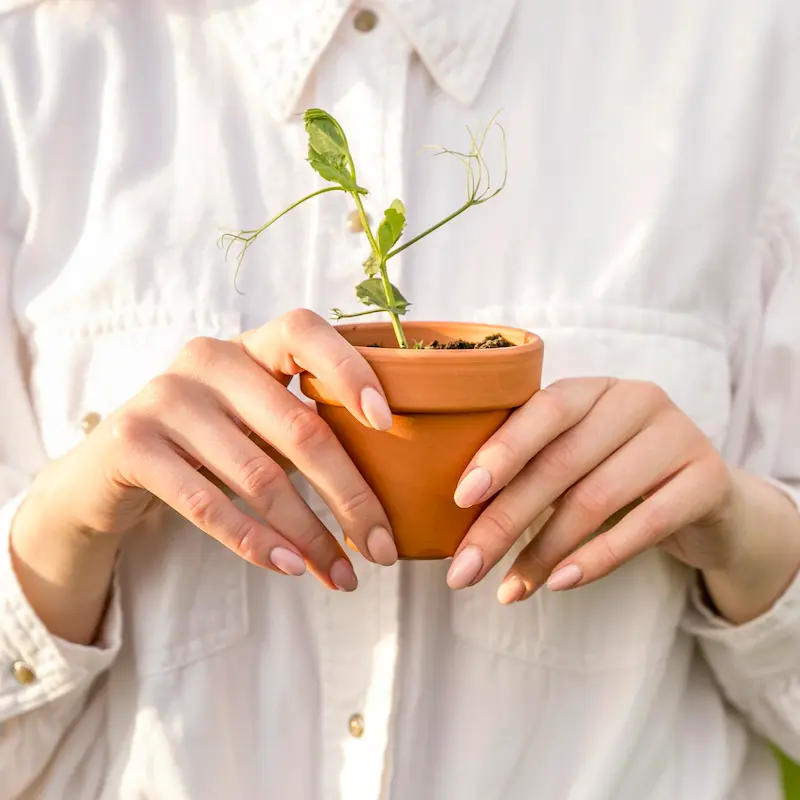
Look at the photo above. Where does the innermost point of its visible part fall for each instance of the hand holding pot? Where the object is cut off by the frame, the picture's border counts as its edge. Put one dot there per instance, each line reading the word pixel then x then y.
pixel 591 448
pixel 198 414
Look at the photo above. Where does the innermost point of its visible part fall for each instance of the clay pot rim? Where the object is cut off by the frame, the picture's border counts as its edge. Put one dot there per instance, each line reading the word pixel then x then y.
pixel 526 341
pixel 443 381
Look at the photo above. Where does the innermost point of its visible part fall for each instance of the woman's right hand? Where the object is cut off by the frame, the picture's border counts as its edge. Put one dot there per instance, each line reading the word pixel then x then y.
pixel 199 413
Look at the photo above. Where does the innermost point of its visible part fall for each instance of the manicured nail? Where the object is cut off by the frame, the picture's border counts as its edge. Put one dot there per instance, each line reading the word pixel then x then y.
pixel 376 409
pixel 465 568
pixel 381 547
pixel 287 561
pixel 473 487
pixel 511 590
pixel 343 576
pixel 565 578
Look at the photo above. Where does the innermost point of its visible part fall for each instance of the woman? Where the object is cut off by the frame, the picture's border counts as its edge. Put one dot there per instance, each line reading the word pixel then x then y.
pixel 152 643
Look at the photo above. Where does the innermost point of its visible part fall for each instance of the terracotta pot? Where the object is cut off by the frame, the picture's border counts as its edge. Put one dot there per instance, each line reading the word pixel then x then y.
pixel 446 404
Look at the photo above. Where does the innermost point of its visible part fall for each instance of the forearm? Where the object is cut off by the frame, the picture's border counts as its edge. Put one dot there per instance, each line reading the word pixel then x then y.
pixel 765 556
pixel 64 572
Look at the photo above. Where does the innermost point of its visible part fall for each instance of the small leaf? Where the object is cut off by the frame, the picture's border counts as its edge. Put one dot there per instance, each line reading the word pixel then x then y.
pixel 372 265
pixel 371 293
pixel 391 228
pixel 328 152
pixel 325 134
pixel 333 170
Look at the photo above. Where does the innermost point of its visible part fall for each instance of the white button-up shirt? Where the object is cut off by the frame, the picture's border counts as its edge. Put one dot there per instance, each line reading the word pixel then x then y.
pixel 650 229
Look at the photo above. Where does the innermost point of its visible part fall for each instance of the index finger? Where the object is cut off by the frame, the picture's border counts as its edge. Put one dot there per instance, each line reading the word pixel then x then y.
pixel 301 341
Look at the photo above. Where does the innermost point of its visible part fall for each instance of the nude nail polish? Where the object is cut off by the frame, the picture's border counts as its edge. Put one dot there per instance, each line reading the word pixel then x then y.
pixel 287 561
pixel 565 578
pixel 376 409
pixel 381 546
pixel 343 577
pixel 475 484
pixel 465 568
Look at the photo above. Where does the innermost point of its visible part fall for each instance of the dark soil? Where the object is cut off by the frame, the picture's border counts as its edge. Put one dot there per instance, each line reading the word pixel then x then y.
pixel 489 343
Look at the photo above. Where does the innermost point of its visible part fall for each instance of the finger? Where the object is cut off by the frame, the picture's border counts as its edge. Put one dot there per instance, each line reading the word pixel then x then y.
pixel 302 341
pixel 686 497
pixel 528 430
pixel 207 435
pixel 150 463
pixel 617 415
pixel 292 427
pixel 639 466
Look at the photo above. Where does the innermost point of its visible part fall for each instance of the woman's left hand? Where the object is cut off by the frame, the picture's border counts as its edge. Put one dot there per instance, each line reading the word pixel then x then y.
pixel 590 447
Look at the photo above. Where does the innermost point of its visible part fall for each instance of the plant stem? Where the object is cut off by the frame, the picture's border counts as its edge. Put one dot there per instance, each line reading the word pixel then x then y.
pixel 387 286
pixel 294 206
pixel 430 230
pixel 248 237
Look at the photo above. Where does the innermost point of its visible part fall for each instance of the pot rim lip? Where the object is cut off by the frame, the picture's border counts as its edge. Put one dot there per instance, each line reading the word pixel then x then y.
pixel 393 353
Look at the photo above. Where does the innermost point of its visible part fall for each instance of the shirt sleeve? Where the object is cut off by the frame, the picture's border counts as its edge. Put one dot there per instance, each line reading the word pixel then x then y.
pixel 44 681
pixel 758 664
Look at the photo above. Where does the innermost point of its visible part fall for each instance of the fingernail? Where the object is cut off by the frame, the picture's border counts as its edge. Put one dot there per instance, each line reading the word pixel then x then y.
pixel 343 576
pixel 287 561
pixel 564 578
pixel 511 590
pixel 376 409
pixel 381 547
pixel 473 487
pixel 465 568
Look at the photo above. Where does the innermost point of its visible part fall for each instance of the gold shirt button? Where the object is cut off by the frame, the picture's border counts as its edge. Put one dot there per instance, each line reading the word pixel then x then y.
pixel 354 224
pixel 90 422
pixel 23 674
pixel 356 726
pixel 365 20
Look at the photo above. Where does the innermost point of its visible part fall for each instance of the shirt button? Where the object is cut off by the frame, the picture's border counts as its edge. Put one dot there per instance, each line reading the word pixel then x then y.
pixel 354 224
pixel 356 726
pixel 90 422
pixel 23 674
pixel 365 20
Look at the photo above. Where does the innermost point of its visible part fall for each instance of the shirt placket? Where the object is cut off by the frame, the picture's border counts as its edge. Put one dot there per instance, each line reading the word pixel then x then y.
pixel 361 80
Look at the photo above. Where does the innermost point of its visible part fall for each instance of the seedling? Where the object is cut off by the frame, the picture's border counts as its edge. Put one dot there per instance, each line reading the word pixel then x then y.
pixel 329 155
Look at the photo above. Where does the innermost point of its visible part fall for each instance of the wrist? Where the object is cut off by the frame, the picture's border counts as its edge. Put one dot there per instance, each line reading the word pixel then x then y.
pixel 63 569
pixel 762 550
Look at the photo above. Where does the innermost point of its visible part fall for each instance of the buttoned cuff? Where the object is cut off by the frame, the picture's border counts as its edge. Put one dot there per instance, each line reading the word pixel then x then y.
pixel 766 644
pixel 35 666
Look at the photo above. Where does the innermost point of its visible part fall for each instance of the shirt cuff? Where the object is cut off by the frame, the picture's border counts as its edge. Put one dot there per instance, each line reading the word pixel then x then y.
pixel 35 666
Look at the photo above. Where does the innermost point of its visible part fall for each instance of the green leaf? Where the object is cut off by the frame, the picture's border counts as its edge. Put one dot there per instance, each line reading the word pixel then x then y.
pixel 334 169
pixel 372 265
pixel 391 228
pixel 325 134
pixel 328 152
pixel 371 293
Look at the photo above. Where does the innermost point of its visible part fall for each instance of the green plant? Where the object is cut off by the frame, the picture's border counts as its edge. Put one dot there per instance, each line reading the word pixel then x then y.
pixel 329 155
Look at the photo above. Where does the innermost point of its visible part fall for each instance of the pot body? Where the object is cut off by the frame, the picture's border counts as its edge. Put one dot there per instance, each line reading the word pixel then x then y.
pixel 445 405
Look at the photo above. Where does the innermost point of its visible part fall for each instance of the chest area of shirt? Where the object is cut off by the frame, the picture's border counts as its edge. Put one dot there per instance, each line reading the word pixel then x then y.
pixel 625 185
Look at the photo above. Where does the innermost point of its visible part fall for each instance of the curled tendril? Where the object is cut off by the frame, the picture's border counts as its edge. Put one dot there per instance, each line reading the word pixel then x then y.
pixel 479 179
pixel 479 176
pixel 245 239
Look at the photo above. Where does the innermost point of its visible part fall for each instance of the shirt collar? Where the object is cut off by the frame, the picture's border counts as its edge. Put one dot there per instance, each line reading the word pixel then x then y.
pixel 281 41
